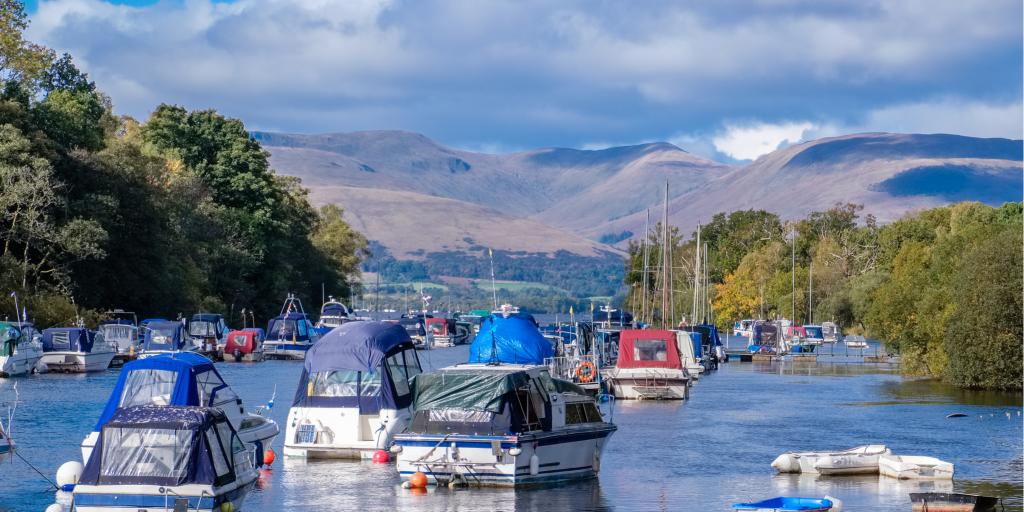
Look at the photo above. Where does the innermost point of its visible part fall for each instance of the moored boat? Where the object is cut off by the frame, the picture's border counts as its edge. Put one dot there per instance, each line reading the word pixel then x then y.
pixel 290 334
pixel 830 332
pixel 167 458
pixel 447 332
pixel 245 345
pixel 354 394
pixel 164 337
pixel 952 502
pixel 856 342
pixel 208 334
pixel 75 350
pixel 914 467
pixel 121 330
pixel 743 328
pixel 857 460
pixel 332 314
pixel 813 335
pixel 20 351
pixel 787 504
pixel 650 366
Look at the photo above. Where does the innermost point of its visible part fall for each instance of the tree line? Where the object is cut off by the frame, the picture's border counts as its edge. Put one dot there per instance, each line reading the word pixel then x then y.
pixel 940 287
pixel 176 214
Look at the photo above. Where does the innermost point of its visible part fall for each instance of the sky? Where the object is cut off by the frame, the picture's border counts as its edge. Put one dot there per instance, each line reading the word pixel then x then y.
pixel 730 80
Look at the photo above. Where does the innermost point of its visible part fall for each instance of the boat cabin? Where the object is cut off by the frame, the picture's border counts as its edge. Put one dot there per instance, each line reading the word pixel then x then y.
pixel 207 329
pixel 441 326
pixel 333 314
pixel 69 339
pixel 164 336
pixel 813 332
pixel 293 326
pixel 648 348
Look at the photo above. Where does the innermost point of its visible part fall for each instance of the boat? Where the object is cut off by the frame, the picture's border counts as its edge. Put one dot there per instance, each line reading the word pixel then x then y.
pixel 20 351
pixel 813 335
pixel 914 467
pixel 332 314
pixel 75 350
pixel 208 333
pixel 711 345
pixel 503 425
pixel 857 460
pixel 786 504
pixel 765 338
pixel 952 502
pixel 690 353
pixel 743 328
pixel 856 342
pixel 649 366
pixel 164 337
pixel 245 345
pixel 290 334
pixel 166 458
pixel 121 330
pixel 830 332
pixel 413 323
pixel 447 332
pixel 183 379
pixel 354 393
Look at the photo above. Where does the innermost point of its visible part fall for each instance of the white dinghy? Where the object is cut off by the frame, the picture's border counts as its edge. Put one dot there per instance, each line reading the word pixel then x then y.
pixel 857 460
pixel 914 467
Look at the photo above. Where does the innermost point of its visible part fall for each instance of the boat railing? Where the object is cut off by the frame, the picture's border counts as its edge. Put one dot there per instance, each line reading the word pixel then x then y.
pixel 569 367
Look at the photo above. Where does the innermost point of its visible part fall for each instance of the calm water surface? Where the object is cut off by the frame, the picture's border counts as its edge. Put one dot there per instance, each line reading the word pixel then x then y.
pixel 703 454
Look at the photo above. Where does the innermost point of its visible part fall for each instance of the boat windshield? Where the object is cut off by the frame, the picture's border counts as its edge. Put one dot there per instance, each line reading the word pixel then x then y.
pixel 345 383
pixel 162 338
pixel 402 367
pixel 118 333
pixel 202 328
pixel 332 321
pixel 145 453
pixel 286 329
pixel 813 332
pixel 148 387
pixel 650 350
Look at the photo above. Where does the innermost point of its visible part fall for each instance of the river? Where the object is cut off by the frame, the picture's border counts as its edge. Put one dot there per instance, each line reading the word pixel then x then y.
pixel 702 454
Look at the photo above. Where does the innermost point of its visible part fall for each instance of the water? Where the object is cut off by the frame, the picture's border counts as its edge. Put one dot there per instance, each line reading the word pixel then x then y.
pixel 703 454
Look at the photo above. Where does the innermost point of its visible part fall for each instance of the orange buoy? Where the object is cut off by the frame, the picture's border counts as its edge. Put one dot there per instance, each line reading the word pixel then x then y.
pixel 418 480
pixel 419 491
pixel 380 457
pixel 268 457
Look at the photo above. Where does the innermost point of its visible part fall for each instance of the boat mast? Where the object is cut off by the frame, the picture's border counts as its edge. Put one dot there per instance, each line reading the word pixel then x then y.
pixel 793 271
pixel 704 287
pixel 665 262
pixel 647 234
pixel 810 292
pixel 695 307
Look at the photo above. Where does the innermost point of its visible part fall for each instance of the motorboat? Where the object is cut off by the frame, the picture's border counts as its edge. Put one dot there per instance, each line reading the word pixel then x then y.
pixel 787 504
pixel 75 350
pixel 813 335
pixel 577 353
pixel 856 341
pixel 503 425
pixel 332 314
pixel 414 325
pixel 765 338
pixel 830 332
pixel 914 467
pixel 121 330
pixel 650 366
pixel 690 354
pixel 857 460
pixel 952 502
pixel 164 337
pixel 355 392
pixel 447 332
pixel 291 333
pixel 20 351
pixel 245 345
pixel 166 458
pixel 208 333
pixel 711 345
pixel 183 379
pixel 743 328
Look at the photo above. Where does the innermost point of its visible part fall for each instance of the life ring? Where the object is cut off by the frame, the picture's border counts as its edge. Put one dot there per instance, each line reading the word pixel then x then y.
pixel 586 371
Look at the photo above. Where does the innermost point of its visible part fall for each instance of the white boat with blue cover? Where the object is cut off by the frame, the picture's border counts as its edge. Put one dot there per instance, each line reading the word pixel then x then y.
pixel 164 337
pixel 183 379
pixel 166 458
pixel 20 351
pixel 290 334
pixel 75 350
pixel 501 419
pixel 788 504
pixel 354 393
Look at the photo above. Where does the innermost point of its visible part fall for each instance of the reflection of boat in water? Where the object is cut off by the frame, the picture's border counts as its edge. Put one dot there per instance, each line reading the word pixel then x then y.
pixel 354 393
pixel 858 460
pixel 649 366
pixel 169 458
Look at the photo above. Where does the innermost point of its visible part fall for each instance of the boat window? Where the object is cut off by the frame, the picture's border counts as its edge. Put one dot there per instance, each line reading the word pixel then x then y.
pixel 650 350
pixel 371 384
pixel 346 383
pixel 592 413
pixel 549 383
pixel 212 390
pixel 398 376
pixel 574 414
pixel 303 328
pixel 202 328
pixel 148 387
pixel 283 329
pixel 403 367
pixel 143 452
pixel 220 462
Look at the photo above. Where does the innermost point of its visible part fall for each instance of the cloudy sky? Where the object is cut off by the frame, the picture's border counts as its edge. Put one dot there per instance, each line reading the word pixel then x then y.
pixel 726 79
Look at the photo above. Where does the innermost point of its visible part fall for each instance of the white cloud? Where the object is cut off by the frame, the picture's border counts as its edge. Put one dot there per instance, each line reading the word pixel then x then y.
pixel 747 142
pixel 960 117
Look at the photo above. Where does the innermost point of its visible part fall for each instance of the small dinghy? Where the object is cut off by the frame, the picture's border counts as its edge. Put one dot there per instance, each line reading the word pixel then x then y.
pixel 857 460
pixel 951 502
pixel 786 503
pixel 914 467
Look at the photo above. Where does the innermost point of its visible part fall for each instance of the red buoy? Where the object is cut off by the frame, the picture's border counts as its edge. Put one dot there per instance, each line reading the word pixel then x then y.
pixel 381 457
pixel 268 457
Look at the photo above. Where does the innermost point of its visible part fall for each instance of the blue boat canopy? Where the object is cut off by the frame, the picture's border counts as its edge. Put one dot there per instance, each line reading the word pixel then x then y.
pixel 291 326
pixel 512 340
pixel 333 309
pixel 166 446
pixel 164 335
pixel 357 346
pixel 68 339
pixel 179 379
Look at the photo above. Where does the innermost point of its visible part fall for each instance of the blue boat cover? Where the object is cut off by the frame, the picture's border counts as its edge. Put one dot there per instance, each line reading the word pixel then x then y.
pixel 290 326
pixel 163 335
pixel 188 368
pixel 68 339
pixel 333 309
pixel 207 317
pixel 356 346
pixel 189 426
pixel 711 331
pixel 786 503
pixel 513 340
pixel 695 338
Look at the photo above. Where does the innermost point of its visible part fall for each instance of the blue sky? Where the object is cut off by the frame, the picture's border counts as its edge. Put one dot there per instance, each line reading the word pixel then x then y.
pixel 729 80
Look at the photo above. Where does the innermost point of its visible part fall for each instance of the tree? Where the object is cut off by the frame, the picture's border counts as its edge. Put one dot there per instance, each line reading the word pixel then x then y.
pixel 20 60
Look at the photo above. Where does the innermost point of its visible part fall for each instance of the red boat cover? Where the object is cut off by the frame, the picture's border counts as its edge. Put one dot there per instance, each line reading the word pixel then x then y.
pixel 438 326
pixel 648 348
pixel 244 341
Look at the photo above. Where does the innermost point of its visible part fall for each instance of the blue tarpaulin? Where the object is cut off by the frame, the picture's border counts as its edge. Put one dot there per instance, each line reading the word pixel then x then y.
pixel 513 340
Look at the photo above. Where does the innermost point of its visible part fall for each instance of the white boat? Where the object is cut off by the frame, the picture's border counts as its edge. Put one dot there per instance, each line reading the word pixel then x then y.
pixel 688 345
pixel 856 342
pixel 744 328
pixel 354 394
pixel 649 366
pixel 857 460
pixel 290 334
pixel 813 335
pixel 75 350
pixel 501 425
pixel 166 458
pixel 830 332
pixel 332 314
pixel 183 379
pixel 164 337
pixel 914 467
pixel 20 351
pixel 208 333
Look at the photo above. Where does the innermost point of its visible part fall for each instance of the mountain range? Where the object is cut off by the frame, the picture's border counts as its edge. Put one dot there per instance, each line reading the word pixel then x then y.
pixel 416 197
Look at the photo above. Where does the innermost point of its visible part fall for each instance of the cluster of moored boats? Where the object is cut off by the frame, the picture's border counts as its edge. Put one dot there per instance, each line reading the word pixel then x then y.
pixel 780 337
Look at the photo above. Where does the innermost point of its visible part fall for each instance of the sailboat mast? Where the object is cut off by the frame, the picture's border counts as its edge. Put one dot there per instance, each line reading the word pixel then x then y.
pixel 793 271
pixel 810 292
pixel 665 265
pixel 695 307
pixel 647 234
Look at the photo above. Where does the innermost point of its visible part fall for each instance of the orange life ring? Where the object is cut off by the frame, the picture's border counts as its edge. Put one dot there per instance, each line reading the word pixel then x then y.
pixel 589 374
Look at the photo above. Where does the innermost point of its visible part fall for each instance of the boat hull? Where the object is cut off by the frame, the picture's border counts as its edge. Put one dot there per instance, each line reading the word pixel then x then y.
pixel 649 384
pixel 341 432
pixel 248 357
pixel 77 362
pixel 21 363
pixel 121 498
pixel 287 351
pixel 951 502
pixel 542 458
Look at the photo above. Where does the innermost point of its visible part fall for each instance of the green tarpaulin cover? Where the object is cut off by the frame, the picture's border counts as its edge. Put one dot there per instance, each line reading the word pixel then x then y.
pixel 472 390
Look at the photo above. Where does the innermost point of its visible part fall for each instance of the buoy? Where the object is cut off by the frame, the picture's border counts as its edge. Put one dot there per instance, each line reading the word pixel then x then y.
pixel 227 506
pixel 380 457
pixel 56 507
pixel 69 473
pixel 534 464
pixel 418 480
pixel 419 491
pixel 268 457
